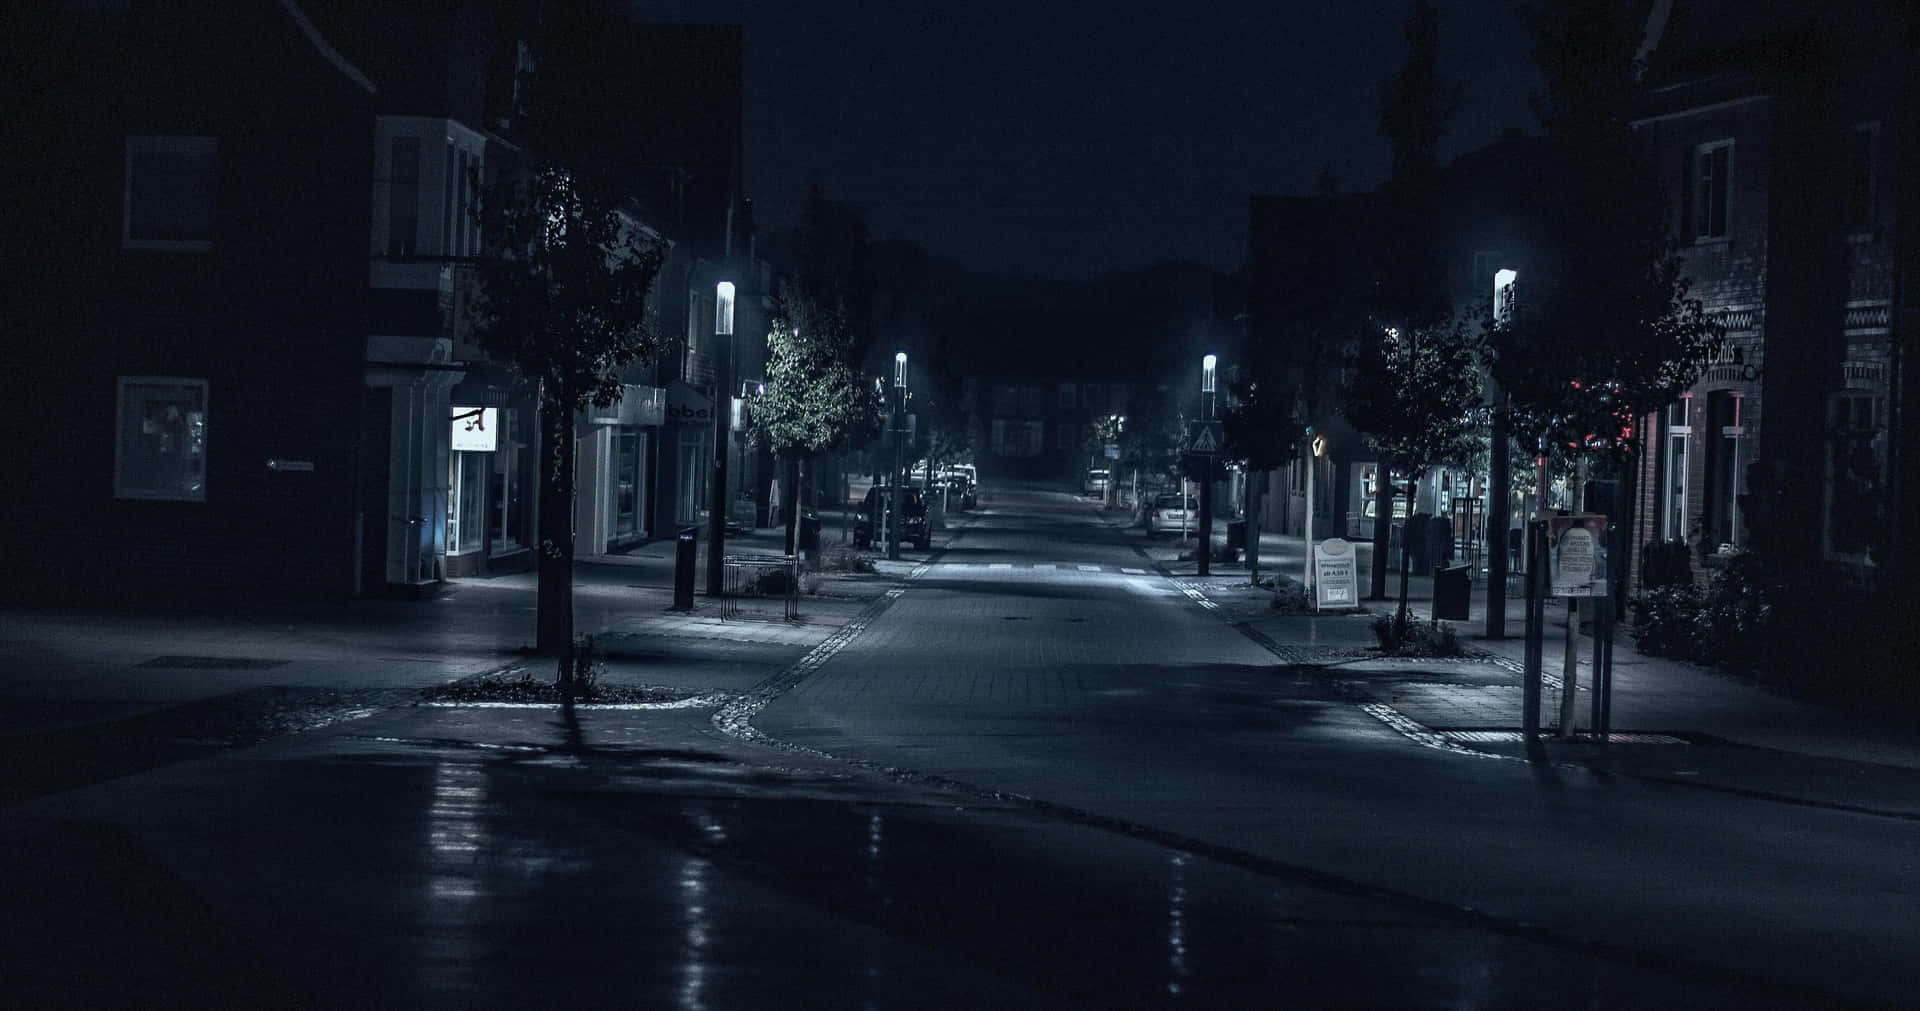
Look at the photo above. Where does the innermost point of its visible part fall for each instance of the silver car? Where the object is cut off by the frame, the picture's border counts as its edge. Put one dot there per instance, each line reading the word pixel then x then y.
pixel 1169 513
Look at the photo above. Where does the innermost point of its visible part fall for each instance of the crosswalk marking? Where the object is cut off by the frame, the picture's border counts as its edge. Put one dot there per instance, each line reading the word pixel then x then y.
pixel 1001 565
pixel 1089 568
pixel 1044 565
pixel 1134 572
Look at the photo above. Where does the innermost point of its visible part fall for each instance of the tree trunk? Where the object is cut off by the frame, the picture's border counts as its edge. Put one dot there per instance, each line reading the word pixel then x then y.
pixel 1406 563
pixel 1382 532
pixel 790 499
pixel 1499 478
pixel 1256 486
pixel 554 610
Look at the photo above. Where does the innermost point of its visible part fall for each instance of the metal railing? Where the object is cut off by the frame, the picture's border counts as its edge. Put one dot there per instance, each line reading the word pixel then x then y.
pixel 751 583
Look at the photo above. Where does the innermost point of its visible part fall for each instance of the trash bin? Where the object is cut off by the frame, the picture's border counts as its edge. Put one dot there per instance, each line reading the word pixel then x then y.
pixel 683 558
pixel 1415 541
pixel 1452 590
pixel 1237 534
pixel 809 531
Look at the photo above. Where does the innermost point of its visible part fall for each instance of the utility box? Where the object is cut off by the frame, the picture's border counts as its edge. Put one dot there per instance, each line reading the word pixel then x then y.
pixel 1237 534
pixel 1452 592
pixel 684 551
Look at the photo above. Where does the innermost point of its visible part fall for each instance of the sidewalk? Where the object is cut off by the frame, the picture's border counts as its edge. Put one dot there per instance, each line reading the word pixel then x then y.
pixel 1651 695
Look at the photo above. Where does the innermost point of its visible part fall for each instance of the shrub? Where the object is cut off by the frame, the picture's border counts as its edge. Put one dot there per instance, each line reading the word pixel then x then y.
pixel 1431 638
pixel 1736 617
pixel 1666 621
pixel 1289 597
pixel 841 558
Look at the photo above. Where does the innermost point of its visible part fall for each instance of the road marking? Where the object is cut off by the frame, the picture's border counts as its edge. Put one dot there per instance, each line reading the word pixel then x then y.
pixel 1045 565
pixel 1001 565
pixel 1134 572
pixel 1089 568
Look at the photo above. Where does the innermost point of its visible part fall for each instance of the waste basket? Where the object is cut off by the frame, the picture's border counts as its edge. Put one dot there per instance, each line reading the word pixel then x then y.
pixel 1452 590
pixel 1237 534
pixel 809 531
pixel 683 556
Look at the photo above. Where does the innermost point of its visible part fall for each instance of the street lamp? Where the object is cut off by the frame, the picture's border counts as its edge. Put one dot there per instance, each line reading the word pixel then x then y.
pixel 896 508
pixel 722 429
pixel 1205 548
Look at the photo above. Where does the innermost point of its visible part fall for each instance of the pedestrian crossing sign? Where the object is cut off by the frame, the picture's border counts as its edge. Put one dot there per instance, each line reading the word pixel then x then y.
pixel 1205 437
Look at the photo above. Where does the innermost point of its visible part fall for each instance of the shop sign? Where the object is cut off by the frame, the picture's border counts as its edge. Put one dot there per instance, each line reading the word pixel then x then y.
pixel 686 405
pixel 1577 554
pixel 475 429
pixel 1336 580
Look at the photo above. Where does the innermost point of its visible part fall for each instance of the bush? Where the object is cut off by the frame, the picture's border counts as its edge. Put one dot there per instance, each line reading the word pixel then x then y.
pixel 1221 553
pixel 1432 638
pixel 1736 618
pixel 1666 621
pixel 841 558
pixel 1290 597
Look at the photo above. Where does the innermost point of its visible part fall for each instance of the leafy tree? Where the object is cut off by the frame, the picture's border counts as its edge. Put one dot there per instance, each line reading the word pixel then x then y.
pixel 1603 331
pixel 816 401
pixel 1265 424
pixel 1414 394
pixel 561 299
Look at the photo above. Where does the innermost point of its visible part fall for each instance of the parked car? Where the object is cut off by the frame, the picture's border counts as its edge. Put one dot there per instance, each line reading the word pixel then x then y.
pixel 959 493
pixel 1096 483
pixel 1169 514
pixel 913 518
pixel 965 471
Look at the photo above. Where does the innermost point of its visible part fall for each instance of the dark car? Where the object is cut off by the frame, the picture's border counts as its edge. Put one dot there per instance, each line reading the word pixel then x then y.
pixel 913 518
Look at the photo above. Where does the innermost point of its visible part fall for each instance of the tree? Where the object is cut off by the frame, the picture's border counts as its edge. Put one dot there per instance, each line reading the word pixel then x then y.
pixel 1264 424
pixel 1603 331
pixel 1415 396
pixel 1412 296
pixel 562 300
pixel 815 400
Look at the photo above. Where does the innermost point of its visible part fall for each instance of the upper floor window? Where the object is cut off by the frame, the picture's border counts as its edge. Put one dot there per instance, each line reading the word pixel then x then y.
pixel 1712 181
pixel 1857 212
pixel 170 191
pixel 403 201
pixel 1066 396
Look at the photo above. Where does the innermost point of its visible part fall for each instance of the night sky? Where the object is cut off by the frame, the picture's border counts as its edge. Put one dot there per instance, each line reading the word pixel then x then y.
pixel 1068 139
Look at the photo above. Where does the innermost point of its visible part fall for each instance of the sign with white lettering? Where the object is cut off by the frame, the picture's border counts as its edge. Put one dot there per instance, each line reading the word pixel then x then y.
pixel 1336 580
pixel 686 405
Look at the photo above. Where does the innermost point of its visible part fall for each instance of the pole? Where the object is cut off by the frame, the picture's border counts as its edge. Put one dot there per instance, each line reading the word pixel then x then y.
pixel 896 507
pixel 1306 565
pixel 1497 524
pixel 1570 664
pixel 722 429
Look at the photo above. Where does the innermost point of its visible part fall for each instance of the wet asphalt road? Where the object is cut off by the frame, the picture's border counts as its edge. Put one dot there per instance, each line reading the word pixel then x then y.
pixel 1014 787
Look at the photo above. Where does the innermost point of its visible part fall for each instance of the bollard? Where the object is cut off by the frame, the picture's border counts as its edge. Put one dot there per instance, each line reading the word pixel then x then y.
pixel 683 557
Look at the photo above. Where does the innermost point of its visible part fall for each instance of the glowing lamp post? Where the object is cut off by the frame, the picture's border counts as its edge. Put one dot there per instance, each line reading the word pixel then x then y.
pixel 896 508
pixel 722 428
pixel 1205 549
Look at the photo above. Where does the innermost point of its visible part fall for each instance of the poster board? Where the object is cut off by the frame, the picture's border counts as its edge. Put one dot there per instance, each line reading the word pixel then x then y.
pixel 1577 555
pixel 1336 579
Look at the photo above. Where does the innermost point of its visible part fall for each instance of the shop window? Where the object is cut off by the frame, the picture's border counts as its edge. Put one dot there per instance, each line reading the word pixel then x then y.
pixel 626 481
pixel 1857 469
pixel 1726 434
pixel 170 193
pixel 160 449
pixel 467 508
pixel 1712 188
pixel 1673 513
pixel 508 512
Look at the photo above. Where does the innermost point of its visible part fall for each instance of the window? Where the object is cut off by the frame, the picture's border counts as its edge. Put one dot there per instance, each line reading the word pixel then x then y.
pixel 1066 396
pixel 508 513
pixel 160 449
pixel 403 198
pixel 1711 174
pixel 1856 474
pixel 1067 437
pixel 1720 526
pixel 169 198
pixel 1030 401
pixel 1858 210
pixel 1673 514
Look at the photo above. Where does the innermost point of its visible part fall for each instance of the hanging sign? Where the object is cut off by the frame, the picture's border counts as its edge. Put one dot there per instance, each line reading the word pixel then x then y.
pixel 1577 554
pixel 475 429
pixel 686 404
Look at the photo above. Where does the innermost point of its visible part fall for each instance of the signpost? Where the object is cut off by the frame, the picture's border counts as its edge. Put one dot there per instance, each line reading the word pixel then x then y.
pixel 1576 560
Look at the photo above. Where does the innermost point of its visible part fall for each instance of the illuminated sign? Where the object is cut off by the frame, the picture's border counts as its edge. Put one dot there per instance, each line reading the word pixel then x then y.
pixel 475 429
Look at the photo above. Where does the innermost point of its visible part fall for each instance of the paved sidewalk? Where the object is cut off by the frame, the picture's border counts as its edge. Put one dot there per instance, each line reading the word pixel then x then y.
pixel 1651 695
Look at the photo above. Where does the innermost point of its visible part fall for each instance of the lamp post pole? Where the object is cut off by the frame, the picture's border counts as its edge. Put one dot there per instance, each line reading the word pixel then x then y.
pixel 896 506
pixel 1204 551
pixel 722 428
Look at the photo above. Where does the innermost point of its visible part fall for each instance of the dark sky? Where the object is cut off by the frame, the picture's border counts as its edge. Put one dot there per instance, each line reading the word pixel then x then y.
pixel 1067 139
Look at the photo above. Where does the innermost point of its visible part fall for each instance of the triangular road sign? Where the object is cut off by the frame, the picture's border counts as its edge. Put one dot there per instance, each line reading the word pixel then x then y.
pixel 1206 438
